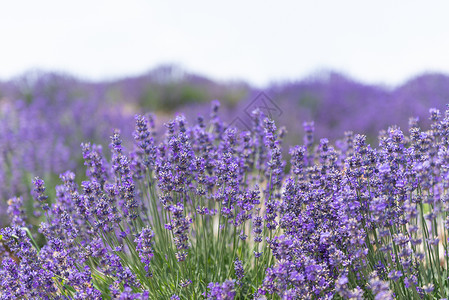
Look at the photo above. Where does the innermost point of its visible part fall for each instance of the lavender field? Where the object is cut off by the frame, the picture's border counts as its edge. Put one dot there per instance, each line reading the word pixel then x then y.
pixel 173 186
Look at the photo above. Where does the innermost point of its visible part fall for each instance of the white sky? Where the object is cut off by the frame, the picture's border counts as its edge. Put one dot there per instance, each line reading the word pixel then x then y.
pixel 382 41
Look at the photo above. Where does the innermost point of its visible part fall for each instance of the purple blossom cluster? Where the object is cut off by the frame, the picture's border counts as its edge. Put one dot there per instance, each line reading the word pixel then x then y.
pixel 208 211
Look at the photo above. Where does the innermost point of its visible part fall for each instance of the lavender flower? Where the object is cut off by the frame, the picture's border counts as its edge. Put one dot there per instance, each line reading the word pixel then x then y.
pixel 16 212
pixel 238 268
pixel 144 247
pixel 39 190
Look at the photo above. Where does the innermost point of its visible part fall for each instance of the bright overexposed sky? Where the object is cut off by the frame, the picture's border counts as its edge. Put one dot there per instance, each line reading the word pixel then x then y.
pixel 380 41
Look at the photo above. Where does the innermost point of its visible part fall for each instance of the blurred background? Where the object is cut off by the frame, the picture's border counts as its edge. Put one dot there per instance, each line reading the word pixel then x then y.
pixel 70 72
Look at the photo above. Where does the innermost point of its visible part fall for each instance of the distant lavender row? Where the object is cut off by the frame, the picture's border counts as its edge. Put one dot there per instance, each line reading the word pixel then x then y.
pixel 336 103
